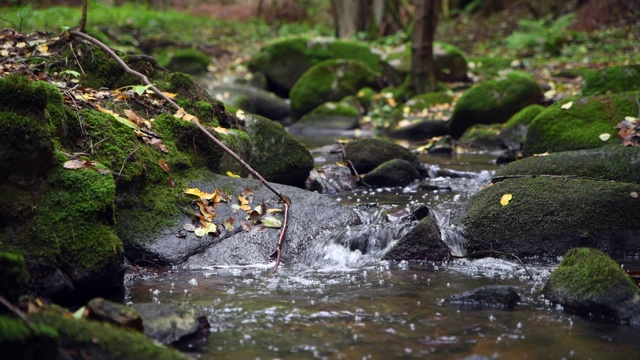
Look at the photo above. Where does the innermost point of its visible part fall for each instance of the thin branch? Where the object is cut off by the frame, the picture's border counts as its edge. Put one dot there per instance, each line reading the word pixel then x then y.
pixel 83 19
pixel 17 311
pixel 125 161
pixel 195 120
pixel 278 252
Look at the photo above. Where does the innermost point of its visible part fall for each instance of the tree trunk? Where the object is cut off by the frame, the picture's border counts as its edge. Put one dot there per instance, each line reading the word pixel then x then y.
pixel 422 66
pixel 349 17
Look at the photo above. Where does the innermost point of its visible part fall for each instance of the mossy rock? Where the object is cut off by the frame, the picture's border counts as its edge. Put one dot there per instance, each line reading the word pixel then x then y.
pixel 614 79
pixel 330 80
pixel 547 216
pixel 424 101
pixel 590 283
pixel 514 131
pixel 494 101
pixel 252 100
pixel 330 115
pixel 422 242
pixel 18 341
pixel 450 62
pixel 188 61
pixel 490 66
pixel 285 60
pixel 483 136
pixel 367 154
pixel 14 277
pixel 580 125
pixel 277 155
pixel 396 172
pixel 102 340
pixel 614 162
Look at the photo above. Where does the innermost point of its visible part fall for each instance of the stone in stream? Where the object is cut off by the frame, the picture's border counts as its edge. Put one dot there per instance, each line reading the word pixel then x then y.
pixel 181 325
pixel 422 242
pixel 396 172
pixel 366 154
pixel 491 296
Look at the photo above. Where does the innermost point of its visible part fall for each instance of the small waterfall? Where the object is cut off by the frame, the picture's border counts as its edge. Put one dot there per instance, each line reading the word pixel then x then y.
pixel 450 234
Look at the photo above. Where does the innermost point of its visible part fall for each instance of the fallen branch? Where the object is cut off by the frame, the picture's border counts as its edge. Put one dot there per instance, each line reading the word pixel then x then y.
pixel 195 120
pixel 17 311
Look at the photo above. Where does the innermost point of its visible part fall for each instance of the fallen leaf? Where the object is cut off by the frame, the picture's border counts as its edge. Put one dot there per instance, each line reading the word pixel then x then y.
pixel 118 117
pixel 567 105
pixel 228 224
pixel 210 228
pixel 157 143
pixel 274 210
pixel 135 118
pixel 271 222
pixel 543 154
pixel 230 174
pixel 634 194
pixel 604 136
pixel 221 130
pixel 163 165
pixel 189 227
pixel 504 200
pixel 200 232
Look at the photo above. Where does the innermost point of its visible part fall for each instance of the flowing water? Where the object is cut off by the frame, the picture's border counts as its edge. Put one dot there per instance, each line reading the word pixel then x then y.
pixel 342 302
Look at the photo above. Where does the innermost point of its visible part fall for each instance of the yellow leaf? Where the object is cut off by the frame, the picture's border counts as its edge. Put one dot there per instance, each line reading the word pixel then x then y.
pixel 180 113
pixel 504 200
pixel 274 210
pixel 543 154
pixel 230 174
pixel 604 136
pixel 200 232
pixel 221 130
pixel 271 222
pixel 567 105
pixel 169 95
pixel 210 228
pixel 192 191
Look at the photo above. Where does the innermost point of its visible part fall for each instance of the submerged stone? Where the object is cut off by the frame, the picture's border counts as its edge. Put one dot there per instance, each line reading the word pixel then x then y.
pixel 491 296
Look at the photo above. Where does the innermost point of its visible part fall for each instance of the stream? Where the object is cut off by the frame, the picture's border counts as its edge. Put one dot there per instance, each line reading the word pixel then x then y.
pixel 342 302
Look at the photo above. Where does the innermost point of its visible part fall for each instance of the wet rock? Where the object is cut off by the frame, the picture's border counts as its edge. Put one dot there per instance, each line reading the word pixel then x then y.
pixel 253 100
pixel 396 172
pixel 111 312
pixel 330 80
pixel 330 115
pixel 422 242
pixel 578 122
pixel 444 146
pixel 494 101
pixel 310 214
pixel 485 137
pixel 181 325
pixel 331 179
pixel 547 216
pixel 367 154
pixel 285 60
pixel 513 132
pixel 421 130
pixel 590 283
pixel 276 154
pixel 614 162
pixel 492 296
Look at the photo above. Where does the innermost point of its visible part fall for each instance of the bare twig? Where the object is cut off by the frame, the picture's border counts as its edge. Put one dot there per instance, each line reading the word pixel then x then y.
pixel 83 19
pixel 17 311
pixel 195 120
pixel 125 161
pixel 278 252
pixel 353 167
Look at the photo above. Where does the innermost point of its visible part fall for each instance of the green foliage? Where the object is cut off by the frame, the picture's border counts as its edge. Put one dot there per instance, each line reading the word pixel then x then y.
pixel 545 34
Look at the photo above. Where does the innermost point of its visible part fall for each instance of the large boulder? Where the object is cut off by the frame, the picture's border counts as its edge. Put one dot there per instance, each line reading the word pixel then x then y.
pixel 450 62
pixel 546 216
pixel 494 101
pixel 285 60
pixel 310 214
pixel 578 123
pixel 276 154
pixel 613 79
pixel 330 80
pixel 252 100
pixel 64 227
pixel 614 162
pixel 590 283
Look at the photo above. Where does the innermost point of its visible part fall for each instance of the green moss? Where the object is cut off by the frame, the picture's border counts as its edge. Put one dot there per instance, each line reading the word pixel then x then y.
pixel 424 101
pixel 190 61
pixel 14 277
pixel 116 342
pixel 590 274
pixel 613 79
pixel 18 341
pixel 613 162
pixel 489 66
pixel 579 127
pixel 19 95
pixel 331 80
pixel 74 221
pixel 547 216
pixel 285 60
pixel 494 101
pixel 524 116
pixel 180 80
pixel 98 68
pixel 483 136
